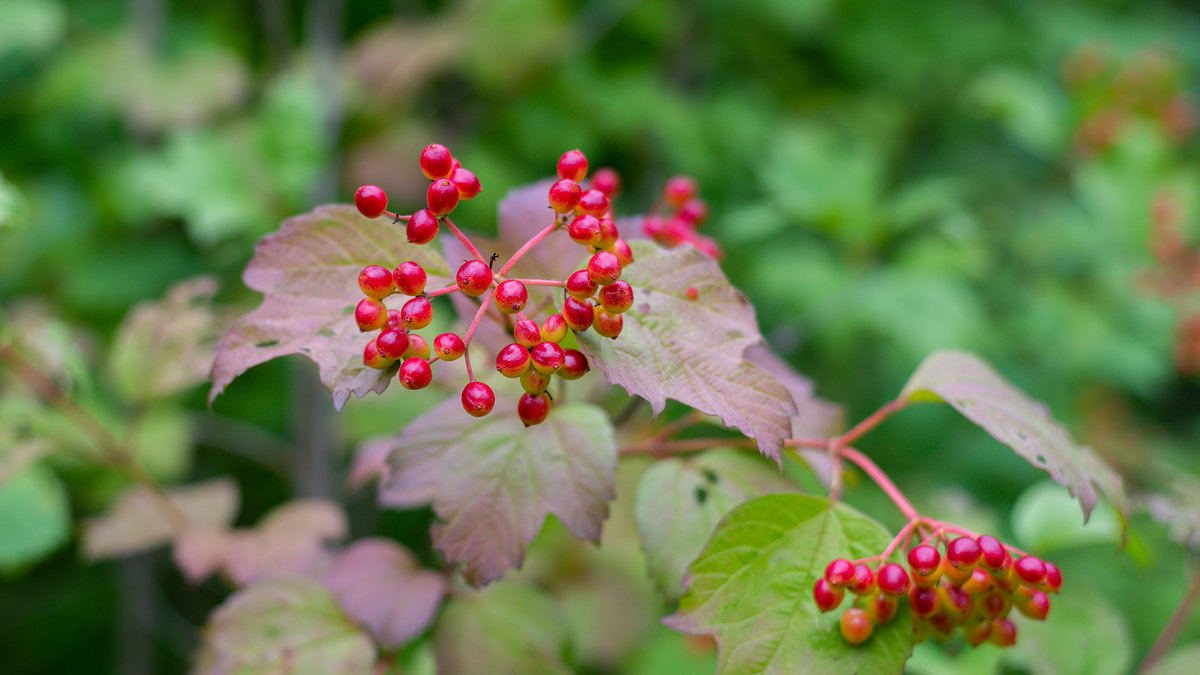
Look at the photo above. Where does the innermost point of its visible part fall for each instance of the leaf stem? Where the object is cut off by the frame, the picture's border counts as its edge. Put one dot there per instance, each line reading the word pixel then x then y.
pixel 533 241
pixel 1174 626
pixel 465 241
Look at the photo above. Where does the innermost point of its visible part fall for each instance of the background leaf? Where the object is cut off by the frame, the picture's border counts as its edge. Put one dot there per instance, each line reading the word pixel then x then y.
pixel 136 521
pixel 506 629
pixel 35 518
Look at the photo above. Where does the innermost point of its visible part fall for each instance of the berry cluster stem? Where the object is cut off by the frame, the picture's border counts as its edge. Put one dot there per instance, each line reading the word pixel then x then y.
pixel 882 480
pixel 1174 627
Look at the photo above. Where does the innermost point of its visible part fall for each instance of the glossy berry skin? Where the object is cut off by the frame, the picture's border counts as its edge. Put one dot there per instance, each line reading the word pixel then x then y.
pixel 954 575
pixel 449 346
pixel 839 573
pixel 1053 580
pixel 882 608
pixel 924 559
pixel 995 603
pixel 371 200
pixel 1033 604
pixel 678 190
pixel 417 313
pixel 554 328
pixel 994 557
pixel 1004 633
pixel 478 399
pixel 534 382
pixel 573 164
pixel 580 285
pixel 585 230
pixel 418 347
pixel 616 297
pixel 375 282
pixel 547 357
pixel 533 408
pixel 511 296
pixel 608 234
pixel 607 325
pixel 512 361
pixel 620 248
pixel 415 373
pixel 575 365
pixel 394 321
pixel 604 268
pixel 963 553
pixel 392 343
pixel 373 359
pixel 370 314
pixel 979 583
pixel 527 333
pixel 564 195
pixel 892 579
pixel 422 227
pixel 578 314
pixel 856 625
pixel 607 181
pixel 864 580
pixel 409 278
pixel 436 161
pixel 923 601
pixel 442 197
pixel 467 183
pixel 827 597
pixel 592 203
pixel 474 278
pixel 976 633
pixel 1030 569
pixel 956 601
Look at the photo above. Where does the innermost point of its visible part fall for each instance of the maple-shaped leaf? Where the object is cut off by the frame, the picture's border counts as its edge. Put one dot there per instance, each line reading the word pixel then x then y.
pixel 970 385
pixel 379 584
pixel 507 629
pixel 141 520
pixel 693 350
pixel 493 481
pixel 286 625
pixel 751 588
pixel 1177 507
pixel 308 275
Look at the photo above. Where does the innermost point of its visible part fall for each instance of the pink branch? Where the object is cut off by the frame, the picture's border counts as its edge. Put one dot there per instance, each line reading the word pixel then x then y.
pixel 528 245
pixel 467 361
pixel 872 421
pixel 442 291
pixel 465 242
pixel 395 218
pixel 484 303
pixel 541 282
pixel 889 488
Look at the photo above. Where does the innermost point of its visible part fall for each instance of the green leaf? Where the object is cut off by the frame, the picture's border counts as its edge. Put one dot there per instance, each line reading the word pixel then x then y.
pixel 679 501
pixel 289 625
pixel 34 516
pixel 493 481
pixel 751 588
pixel 1084 634
pixel 692 350
pixel 971 386
pixel 1043 522
pixel 507 629
pixel 1182 661
pixel 308 274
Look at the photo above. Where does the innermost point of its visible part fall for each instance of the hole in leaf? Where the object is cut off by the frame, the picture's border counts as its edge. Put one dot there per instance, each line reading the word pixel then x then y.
pixel 266 343
pixel 1040 459
pixel 701 495
pixel 709 475
pixel 348 310
pixel 325 332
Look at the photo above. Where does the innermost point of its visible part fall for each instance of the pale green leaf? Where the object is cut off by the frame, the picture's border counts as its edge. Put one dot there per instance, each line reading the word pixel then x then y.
pixel 507 629
pixel 35 518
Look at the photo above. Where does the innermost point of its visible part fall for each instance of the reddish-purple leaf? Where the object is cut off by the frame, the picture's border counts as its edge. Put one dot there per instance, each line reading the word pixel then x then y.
pixel 523 213
pixel 307 273
pixel 380 585
pixel 971 386
pixel 140 521
pixel 493 481
pixel 692 350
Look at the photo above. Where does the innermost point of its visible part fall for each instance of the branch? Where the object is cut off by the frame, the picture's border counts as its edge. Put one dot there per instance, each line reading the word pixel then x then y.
pixel 1175 624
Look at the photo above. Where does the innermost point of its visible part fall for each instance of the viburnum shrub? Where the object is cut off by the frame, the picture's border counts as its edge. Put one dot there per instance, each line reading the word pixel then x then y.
pixel 746 558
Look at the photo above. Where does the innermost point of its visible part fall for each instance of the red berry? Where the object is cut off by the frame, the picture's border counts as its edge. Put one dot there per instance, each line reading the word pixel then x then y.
pixel 375 282
pixel 923 601
pixel 592 203
pixel 370 314
pixel 580 285
pixel 828 597
pixel 534 382
pixel 616 297
pixel 533 408
pixel 554 328
pixel 373 359
pixel 608 234
pixel 607 325
pixel 418 347
pixel 573 165
pixel 467 183
pixel 955 600
pixel 652 226
pixel 371 200
pixel 547 357
pixel 707 246
pixel 1031 569
pixel 674 232
pixel 864 580
pixel 422 227
pixel 409 278
pixel 1033 604
pixel 449 346
pixel 607 181
pixel 963 552
pixel 395 321
pixel 604 268
pixel 474 278
pixel 1053 580
pixel 442 197
pixel 994 557
pixel 839 573
pixel 512 361
pixel 417 313
pixel 478 399
pixel 695 211
pixel 979 583
pixel 620 248
pixel 511 296
pixel 882 607
pixel 678 190
pixel 527 333
pixel 1004 633
pixel 955 576
pixel 575 365
pixel 977 633
pixel 892 579
pixel 924 559
pixel 564 195
pixel 585 230
pixel 578 314
pixel 692 293
pixel 856 625
pixel 415 373
pixel 392 343
pixel 995 603
pixel 436 161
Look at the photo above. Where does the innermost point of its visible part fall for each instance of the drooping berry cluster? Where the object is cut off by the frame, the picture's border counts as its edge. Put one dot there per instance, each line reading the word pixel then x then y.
pixel 971 588
pixel 678 216
pixel 595 297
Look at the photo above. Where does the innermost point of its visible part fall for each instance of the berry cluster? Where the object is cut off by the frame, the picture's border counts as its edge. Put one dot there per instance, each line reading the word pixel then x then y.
pixel 971 588
pixel 595 297
pixel 677 217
